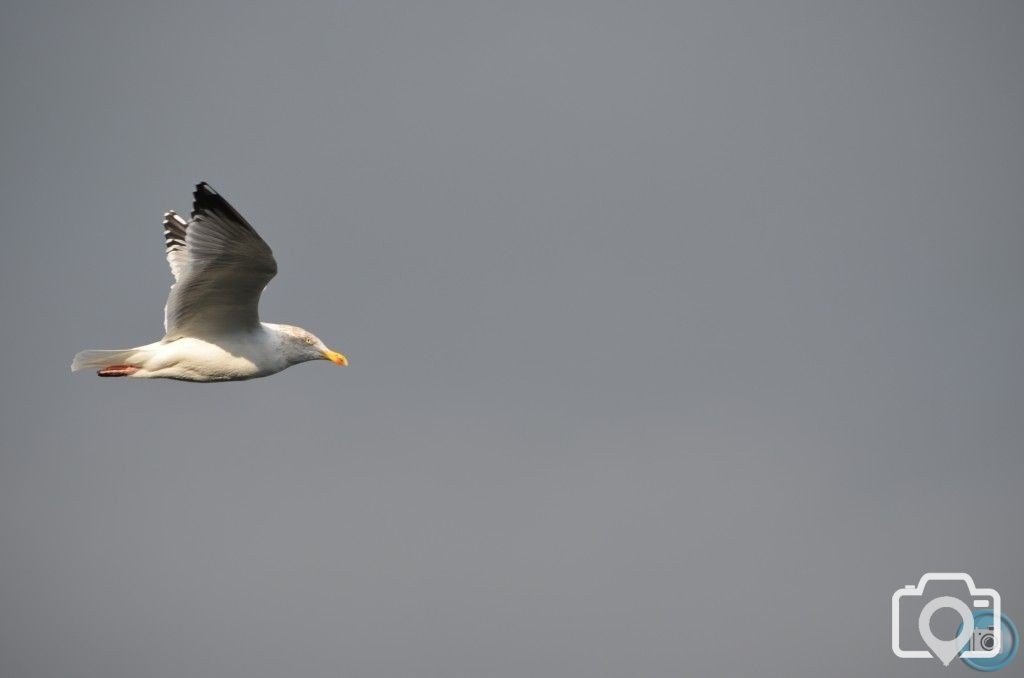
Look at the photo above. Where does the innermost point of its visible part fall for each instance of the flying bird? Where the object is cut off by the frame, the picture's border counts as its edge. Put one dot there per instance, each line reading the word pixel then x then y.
pixel 211 321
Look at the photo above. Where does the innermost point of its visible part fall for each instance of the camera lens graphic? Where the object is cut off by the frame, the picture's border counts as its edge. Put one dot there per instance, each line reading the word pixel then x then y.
pixel 985 640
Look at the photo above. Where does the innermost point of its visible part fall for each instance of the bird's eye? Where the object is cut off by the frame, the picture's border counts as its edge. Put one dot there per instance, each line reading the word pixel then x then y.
pixel 309 340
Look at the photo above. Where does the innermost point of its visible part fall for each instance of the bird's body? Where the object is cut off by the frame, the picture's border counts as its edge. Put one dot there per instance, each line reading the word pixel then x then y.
pixel 230 357
pixel 213 333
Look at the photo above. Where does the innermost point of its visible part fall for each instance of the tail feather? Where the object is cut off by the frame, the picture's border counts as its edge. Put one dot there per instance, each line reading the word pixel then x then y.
pixel 98 359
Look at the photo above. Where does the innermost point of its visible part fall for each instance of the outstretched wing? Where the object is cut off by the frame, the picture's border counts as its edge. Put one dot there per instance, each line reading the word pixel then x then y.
pixel 220 267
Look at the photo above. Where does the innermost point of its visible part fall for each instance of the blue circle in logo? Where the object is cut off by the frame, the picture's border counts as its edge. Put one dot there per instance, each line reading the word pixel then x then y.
pixel 1010 642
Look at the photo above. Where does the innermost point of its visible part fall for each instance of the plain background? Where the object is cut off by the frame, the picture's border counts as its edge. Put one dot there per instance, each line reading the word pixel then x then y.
pixel 681 335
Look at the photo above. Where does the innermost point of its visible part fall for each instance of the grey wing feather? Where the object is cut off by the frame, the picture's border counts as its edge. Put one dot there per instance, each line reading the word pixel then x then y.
pixel 220 266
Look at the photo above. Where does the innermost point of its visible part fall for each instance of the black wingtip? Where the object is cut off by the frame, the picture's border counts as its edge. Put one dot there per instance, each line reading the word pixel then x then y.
pixel 203 187
pixel 207 200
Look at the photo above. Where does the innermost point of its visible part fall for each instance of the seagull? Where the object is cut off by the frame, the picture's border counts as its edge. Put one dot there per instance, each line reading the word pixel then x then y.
pixel 211 321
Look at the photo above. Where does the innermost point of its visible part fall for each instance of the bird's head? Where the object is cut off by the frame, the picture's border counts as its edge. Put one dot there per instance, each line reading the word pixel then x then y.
pixel 301 346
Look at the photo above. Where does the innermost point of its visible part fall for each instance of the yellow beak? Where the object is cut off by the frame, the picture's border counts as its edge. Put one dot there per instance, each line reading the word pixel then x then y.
pixel 336 358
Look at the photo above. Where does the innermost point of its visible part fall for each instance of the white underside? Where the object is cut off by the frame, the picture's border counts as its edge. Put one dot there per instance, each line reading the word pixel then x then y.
pixel 231 357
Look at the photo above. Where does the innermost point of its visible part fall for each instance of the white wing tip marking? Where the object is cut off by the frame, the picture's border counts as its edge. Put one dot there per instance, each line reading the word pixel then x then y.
pixel 171 214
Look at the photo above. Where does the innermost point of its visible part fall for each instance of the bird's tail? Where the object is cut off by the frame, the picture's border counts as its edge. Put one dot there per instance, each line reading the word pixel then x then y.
pixel 98 359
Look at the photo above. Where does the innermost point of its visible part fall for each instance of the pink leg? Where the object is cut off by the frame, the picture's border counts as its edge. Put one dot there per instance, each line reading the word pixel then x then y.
pixel 118 371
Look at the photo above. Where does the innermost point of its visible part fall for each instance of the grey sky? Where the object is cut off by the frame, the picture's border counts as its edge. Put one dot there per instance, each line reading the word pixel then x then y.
pixel 680 335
